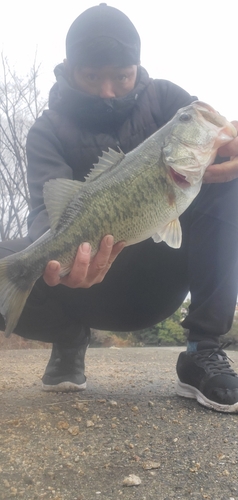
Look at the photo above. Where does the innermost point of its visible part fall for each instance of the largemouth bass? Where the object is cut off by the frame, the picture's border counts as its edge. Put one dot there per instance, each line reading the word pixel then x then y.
pixel 133 197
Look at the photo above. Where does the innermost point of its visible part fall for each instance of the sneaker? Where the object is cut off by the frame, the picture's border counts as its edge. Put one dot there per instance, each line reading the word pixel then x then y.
pixel 206 375
pixel 65 369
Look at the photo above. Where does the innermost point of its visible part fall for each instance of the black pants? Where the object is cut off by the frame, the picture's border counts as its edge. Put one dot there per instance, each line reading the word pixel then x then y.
pixel 149 281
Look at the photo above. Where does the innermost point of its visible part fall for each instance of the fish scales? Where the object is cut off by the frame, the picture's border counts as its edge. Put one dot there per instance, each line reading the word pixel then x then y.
pixel 133 197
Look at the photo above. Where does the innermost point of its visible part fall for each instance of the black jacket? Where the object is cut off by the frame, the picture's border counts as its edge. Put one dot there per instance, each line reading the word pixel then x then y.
pixel 69 136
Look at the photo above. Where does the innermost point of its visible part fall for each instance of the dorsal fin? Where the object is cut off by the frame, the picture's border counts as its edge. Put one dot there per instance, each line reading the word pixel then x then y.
pixel 58 193
pixel 107 161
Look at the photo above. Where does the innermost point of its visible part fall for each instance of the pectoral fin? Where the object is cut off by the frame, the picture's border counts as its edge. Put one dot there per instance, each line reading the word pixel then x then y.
pixel 172 234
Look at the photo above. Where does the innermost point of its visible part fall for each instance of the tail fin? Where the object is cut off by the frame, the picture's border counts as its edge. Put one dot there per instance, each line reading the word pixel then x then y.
pixel 12 298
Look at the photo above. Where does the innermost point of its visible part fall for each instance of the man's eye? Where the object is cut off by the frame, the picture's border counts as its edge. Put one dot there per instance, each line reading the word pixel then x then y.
pixel 122 78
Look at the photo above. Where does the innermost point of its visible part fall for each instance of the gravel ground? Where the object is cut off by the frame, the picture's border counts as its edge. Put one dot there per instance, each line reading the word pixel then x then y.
pixel 128 422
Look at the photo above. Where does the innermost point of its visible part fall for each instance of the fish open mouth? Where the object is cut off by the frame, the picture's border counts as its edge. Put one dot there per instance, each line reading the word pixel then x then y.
pixel 179 179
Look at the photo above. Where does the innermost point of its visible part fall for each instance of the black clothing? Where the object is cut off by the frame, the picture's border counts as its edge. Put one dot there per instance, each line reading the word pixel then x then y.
pixel 148 281
pixel 69 137
pixel 97 23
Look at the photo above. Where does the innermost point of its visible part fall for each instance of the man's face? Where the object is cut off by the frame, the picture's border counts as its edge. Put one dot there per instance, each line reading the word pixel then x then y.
pixel 106 82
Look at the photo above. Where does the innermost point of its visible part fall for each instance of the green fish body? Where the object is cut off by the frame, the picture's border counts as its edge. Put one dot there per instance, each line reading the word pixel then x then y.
pixel 133 197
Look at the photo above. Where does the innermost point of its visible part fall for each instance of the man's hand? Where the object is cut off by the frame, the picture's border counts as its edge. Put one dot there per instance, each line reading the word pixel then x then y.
pixel 227 171
pixel 85 271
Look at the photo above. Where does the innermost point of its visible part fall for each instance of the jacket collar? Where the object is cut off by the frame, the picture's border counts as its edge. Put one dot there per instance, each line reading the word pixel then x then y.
pixel 93 111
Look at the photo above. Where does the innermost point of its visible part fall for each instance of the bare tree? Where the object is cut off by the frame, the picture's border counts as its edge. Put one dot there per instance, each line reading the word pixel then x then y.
pixel 20 105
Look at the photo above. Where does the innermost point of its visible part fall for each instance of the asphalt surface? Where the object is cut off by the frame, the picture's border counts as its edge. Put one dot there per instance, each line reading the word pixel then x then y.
pixel 129 421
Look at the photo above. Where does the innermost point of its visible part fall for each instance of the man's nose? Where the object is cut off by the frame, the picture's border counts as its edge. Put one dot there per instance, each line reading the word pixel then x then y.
pixel 106 90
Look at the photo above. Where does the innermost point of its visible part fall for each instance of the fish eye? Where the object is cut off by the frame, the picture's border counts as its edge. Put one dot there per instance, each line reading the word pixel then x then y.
pixel 185 117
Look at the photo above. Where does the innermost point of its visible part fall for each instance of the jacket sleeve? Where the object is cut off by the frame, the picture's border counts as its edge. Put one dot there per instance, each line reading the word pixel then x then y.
pixel 45 158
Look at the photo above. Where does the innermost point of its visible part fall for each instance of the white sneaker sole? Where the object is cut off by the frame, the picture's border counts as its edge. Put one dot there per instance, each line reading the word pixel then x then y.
pixel 64 387
pixel 188 391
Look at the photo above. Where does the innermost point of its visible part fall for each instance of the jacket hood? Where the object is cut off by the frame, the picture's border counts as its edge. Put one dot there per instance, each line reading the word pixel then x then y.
pixel 93 111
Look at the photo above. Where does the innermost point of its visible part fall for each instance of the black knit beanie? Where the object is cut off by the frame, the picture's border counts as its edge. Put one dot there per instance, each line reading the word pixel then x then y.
pixel 102 35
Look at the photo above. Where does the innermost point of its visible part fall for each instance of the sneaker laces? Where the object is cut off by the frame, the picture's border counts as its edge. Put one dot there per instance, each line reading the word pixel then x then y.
pixel 216 360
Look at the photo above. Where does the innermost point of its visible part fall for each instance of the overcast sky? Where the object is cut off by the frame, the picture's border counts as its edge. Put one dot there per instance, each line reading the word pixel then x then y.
pixel 192 43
